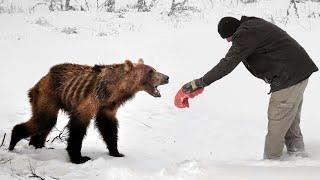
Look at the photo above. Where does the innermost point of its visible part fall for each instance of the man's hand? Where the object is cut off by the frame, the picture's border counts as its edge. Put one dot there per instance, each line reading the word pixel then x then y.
pixel 193 86
pixel 189 90
pixel 182 99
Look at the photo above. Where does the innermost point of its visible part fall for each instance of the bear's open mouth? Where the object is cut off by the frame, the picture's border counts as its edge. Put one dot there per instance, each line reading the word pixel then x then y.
pixel 156 92
pixel 152 88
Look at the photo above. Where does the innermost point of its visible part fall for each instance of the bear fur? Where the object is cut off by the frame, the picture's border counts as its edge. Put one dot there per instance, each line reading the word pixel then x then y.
pixel 85 92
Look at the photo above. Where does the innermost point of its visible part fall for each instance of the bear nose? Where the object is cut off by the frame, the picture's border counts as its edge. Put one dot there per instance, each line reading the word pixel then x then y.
pixel 166 78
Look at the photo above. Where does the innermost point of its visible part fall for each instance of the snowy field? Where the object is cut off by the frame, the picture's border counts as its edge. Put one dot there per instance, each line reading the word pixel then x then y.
pixel 220 137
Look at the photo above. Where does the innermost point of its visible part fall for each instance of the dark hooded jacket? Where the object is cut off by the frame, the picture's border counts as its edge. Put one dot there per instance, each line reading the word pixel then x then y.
pixel 268 52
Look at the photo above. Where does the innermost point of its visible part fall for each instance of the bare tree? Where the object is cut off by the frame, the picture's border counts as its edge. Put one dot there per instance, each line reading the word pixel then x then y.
pixel 294 4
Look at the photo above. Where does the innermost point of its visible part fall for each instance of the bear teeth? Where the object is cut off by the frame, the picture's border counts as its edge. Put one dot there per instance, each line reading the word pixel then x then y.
pixel 156 92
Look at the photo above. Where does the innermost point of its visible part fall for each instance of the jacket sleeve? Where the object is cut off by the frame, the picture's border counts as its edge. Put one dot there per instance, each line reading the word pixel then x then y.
pixel 243 45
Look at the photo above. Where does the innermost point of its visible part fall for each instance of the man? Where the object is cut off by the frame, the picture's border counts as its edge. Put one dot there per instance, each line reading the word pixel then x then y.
pixel 269 53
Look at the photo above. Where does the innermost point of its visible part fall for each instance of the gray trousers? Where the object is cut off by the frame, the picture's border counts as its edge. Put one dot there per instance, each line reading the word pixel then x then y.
pixel 284 121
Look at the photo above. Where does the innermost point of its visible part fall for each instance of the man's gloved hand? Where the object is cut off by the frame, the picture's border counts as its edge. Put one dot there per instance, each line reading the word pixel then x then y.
pixel 193 85
pixel 189 90
pixel 182 99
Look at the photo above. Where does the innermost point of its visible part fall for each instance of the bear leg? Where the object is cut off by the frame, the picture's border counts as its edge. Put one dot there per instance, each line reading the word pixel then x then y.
pixel 44 117
pixel 39 140
pixel 43 123
pixel 107 124
pixel 38 127
pixel 77 131
pixel 19 132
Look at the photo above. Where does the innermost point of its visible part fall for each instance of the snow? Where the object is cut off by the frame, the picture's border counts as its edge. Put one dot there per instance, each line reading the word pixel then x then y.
pixel 220 137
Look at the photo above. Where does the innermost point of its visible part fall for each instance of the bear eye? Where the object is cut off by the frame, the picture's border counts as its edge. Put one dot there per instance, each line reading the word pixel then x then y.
pixel 150 73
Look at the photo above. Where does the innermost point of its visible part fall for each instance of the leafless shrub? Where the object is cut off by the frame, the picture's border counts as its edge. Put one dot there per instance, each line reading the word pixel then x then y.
pixel 42 22
pixel 142 6
pixel 178 8
pixel 87 5
pixel 1 6
pixel 4 137
pixel 248 1
pixel 314 15
pixel 68 7
pixel 175 6
pixel 56 5
pixel 33 173
pixel 4 160
pixel 62 136
pixel 34 7
pixel 293 3
pixel 10 9
pixel 69 30
pixel 107 5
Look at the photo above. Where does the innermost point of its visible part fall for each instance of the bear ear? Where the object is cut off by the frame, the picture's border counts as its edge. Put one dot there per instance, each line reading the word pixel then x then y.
pixel 140 61
pixel 128 65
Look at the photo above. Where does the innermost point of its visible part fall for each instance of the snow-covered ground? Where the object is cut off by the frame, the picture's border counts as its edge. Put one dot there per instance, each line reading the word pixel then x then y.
pixel 220 137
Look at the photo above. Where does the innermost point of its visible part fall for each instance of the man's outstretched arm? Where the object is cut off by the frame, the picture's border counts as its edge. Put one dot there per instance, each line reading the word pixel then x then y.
pixel 242 46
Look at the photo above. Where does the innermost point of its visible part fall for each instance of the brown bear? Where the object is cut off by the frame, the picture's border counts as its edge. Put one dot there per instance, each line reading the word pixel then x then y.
pixel 85 92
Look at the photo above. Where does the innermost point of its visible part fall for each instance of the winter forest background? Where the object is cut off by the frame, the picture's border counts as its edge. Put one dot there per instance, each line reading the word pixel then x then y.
pixel 220 137
pixel 272 9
